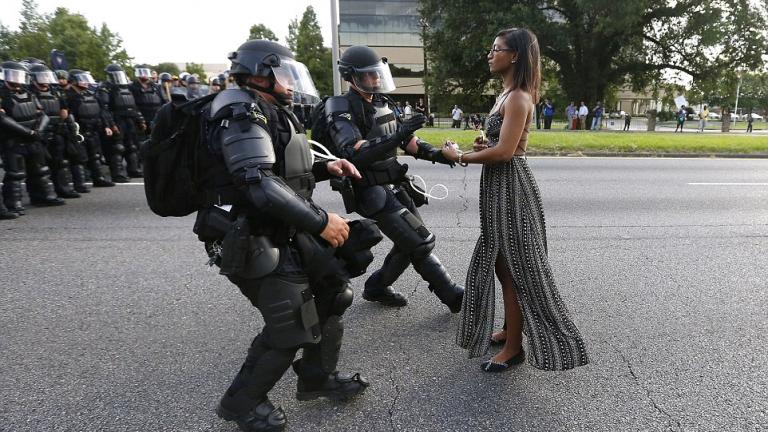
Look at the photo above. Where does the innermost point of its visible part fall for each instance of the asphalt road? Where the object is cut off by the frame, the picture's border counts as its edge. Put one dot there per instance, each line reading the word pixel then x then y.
pixel 111 321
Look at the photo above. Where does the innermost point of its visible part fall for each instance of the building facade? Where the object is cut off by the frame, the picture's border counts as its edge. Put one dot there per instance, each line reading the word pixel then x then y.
pixel 393 29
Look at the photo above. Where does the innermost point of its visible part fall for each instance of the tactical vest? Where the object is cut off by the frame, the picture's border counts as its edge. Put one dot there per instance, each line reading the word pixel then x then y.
pixel 387 170
pixel 88 113
pixel 148 100
pixel 51 105
pixel 24 110
pixel 297 163
pixel 122 102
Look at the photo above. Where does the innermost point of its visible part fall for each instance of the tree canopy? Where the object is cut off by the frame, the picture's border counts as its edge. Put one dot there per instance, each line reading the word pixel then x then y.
pixel 260 31
pixel 306 41
pixel 597 45
pixel 85 47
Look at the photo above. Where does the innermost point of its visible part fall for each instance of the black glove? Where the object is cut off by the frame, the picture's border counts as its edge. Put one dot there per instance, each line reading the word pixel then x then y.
pixel 408 127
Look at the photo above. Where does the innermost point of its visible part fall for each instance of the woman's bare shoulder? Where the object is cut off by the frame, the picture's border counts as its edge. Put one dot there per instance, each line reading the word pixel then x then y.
pixel 518 100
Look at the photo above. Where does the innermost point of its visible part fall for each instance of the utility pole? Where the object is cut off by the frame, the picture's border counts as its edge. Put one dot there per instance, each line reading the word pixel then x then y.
pixel 424 26
pixel 335 46
pixel 738 90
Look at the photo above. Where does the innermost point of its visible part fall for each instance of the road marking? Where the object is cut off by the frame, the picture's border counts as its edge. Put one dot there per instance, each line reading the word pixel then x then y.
pixel 727 184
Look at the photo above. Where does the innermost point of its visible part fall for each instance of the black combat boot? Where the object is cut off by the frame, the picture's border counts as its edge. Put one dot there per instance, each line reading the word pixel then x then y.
pixel 440 282
pixel 313 383
pixel 78 178
pixel 264 417
pixel 4 213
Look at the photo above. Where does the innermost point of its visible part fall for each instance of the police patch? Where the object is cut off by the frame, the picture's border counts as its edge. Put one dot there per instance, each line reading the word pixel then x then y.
pixel 259 118
pixel 347 116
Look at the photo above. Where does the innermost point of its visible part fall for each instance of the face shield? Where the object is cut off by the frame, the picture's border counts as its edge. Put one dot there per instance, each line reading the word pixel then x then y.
pixel 118 77
pixel 294 76
pixel 374 79
pixel 46 77
pixel 143 73
pixel 84 79
pixel 15 76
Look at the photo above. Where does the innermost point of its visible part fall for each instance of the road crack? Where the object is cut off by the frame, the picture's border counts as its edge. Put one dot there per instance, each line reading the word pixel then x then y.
pixel 639 383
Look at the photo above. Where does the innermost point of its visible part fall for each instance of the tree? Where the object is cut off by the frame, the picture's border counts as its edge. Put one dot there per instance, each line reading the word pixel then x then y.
pixel 306 41
pixel 260 31
pixel 599 44
pixel 197 68
pixel 171 68
pixel 84 46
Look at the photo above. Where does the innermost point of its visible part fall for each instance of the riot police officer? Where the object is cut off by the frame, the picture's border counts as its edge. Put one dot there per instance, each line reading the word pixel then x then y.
pixel 129 122
pixel 61 129
pixel 94 122
pixel 146 93
pixel 166 84
pixel 297 281
pixel 363 128
pixel 22 121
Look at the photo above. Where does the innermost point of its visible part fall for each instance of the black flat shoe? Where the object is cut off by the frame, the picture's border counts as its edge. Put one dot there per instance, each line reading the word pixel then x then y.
pixel 492 366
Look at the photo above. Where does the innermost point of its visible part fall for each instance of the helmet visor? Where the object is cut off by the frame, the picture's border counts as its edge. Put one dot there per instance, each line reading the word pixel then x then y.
pixel 119 77
pixel 84 78
pixel 295 76
pixel 143 73
pixel 15 76
pixel 46 77
pixel 374 79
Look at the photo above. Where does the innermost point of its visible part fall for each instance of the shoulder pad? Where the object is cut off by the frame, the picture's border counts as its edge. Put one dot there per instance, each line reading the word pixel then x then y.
pixel 337 104
pixel 229 97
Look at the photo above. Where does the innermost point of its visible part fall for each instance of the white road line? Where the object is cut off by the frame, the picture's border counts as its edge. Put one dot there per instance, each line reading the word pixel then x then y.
pixel 727 184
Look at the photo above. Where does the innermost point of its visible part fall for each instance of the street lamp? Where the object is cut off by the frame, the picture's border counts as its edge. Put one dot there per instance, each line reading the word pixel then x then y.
pixel 424 26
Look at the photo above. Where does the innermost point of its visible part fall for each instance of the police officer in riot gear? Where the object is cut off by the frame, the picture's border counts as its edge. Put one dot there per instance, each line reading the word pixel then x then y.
pixel 146 93
pixel 129 121
pixel 166 84
pixel 298 280
pixel 22 121
pixel 94 120
pixel 364 128
pixel 60 135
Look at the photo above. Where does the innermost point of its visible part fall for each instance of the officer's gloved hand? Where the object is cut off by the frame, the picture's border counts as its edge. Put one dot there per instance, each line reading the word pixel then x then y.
pixel 408 127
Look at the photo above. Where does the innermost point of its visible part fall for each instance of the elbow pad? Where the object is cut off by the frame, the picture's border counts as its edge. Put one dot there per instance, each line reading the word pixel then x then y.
pixel 245 145
pixel 270 194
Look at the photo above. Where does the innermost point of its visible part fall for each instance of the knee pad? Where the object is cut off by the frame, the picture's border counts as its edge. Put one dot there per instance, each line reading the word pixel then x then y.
pixel 406 230
pixel 15 175
pixel 289 311
pixel 118 149
pixel 343 300
pixel 423 250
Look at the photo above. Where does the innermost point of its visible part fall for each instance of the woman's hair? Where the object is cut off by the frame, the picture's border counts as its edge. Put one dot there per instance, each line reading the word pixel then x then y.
pixel 527 71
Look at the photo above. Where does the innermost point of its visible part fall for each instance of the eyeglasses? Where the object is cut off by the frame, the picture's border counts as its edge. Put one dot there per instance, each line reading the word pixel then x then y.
pixel 494 50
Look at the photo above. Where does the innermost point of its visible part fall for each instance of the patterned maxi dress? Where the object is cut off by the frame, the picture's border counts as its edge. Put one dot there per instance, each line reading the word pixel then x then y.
pixel 512 225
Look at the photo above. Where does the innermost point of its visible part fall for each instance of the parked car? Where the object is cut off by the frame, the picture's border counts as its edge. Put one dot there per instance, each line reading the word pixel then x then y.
pixel 714 116
pixel 757 117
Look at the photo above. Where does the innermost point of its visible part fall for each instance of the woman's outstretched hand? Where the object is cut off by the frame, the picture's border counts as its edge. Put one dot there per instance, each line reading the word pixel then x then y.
pixel 451 151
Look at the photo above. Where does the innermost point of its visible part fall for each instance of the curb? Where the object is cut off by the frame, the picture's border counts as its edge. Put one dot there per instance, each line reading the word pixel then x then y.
pixel 653 155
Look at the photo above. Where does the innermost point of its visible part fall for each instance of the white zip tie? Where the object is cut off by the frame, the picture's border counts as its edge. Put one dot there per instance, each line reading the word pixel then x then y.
pixel 427 194
pixel 316 154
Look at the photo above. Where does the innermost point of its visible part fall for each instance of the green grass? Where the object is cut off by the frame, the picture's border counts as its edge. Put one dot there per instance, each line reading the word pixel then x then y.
pixel 617 142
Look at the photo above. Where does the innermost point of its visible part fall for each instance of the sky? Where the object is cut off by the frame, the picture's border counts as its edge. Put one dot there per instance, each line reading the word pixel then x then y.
pixel 199 34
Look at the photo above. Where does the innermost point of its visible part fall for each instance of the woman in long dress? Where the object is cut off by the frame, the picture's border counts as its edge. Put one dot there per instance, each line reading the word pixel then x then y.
pixel 513 239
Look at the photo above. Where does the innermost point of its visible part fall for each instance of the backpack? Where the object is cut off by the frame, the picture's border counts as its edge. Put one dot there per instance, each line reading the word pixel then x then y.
pixel 319 126
pixel 173 159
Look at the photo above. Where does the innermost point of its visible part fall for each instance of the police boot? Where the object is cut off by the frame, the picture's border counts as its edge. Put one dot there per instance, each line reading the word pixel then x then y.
pixel 134 166
pixel 261 418
pixel 96 175
pixel 62 181
pixel 377 287
pixel 313 384
pixel 5 214
pixel 440 282
pixel 78 178
pixel 117 169
pixel 12 194
pixel 40 188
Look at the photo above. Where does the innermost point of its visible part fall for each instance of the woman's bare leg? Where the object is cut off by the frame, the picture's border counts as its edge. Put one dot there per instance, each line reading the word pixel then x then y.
pixel 513 314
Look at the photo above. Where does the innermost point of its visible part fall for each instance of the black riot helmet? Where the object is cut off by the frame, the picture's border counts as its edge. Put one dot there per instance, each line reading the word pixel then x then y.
pixel 81 78
pixel 269 59
pixel 361 66
pixel 41 75
pixel 15 74
pixel 165 77
pixel 116 75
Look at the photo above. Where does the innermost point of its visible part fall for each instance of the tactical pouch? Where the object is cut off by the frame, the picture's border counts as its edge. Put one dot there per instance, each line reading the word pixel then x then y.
pixel 343 185
pixel 383 172
pixel 212 224
pixel 235 247
pixel 416 193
